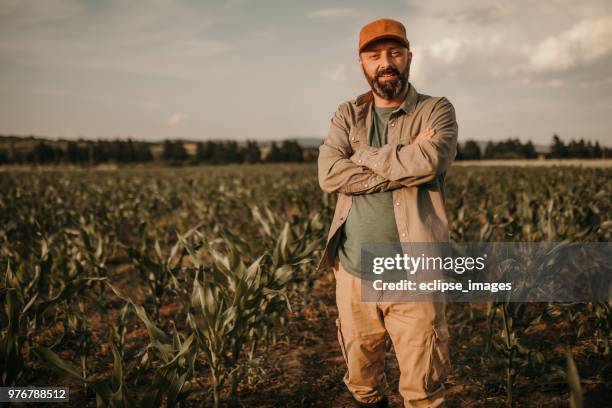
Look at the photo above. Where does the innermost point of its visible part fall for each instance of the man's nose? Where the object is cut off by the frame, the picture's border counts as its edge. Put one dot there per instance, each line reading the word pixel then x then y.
pixel 385 62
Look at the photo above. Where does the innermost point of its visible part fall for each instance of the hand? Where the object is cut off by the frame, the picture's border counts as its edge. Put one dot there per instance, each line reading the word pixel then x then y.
pixel 424 135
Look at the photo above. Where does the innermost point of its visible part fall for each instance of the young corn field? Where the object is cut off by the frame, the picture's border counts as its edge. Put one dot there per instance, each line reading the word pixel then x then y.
pixel 181 287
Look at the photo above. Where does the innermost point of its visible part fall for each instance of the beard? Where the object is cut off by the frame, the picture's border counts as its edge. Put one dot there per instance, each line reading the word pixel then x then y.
pixel 389 89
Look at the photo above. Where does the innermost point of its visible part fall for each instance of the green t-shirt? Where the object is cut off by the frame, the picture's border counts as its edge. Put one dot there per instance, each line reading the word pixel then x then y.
pixel 371 217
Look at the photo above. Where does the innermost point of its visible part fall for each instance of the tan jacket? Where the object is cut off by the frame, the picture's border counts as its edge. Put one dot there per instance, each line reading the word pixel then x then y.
pixel 415 172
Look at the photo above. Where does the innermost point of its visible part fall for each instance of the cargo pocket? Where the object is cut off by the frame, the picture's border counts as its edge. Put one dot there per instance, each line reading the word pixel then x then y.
pixel 439 358
pixel 341 341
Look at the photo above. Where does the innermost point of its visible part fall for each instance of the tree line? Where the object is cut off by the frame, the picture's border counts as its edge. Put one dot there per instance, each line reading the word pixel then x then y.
pixel 38 151
pixel 15 150
pixel 515 149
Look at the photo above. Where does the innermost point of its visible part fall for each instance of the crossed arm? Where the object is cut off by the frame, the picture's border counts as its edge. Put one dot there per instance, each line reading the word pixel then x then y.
pixel 371 170
pixel 337 173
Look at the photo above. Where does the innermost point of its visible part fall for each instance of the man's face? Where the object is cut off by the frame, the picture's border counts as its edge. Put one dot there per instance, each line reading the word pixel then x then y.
pixel 386 66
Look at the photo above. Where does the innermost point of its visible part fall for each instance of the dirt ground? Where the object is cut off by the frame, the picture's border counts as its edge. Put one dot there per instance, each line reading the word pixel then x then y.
pixel 307 370
pixel 311 369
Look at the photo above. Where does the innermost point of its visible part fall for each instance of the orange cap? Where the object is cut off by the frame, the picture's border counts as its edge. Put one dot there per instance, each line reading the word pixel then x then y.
pixel 382 28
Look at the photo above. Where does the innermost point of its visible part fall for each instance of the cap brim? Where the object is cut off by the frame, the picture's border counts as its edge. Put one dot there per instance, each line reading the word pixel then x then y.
pixel 385 37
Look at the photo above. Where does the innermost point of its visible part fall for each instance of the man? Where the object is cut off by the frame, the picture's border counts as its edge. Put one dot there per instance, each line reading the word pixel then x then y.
pixel 386 156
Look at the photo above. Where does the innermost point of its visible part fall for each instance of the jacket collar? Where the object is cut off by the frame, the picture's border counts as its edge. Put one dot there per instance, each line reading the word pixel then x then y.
pixel 364 102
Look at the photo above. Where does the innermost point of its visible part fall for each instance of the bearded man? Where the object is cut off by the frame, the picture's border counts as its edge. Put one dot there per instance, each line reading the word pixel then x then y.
pixel 386 156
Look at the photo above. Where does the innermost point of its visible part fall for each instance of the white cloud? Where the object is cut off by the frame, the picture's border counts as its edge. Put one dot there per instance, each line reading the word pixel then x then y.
pixel 176 118
pixel 451 49
pixel 584 43
pixel 447 49
pixel 135 39
pixel 337 12
pixel 478 14
pixel 336 74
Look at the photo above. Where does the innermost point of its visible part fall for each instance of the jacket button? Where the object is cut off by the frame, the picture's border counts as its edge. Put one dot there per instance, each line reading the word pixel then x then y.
pixel 353 138
pixel 392 124
pixel 397 203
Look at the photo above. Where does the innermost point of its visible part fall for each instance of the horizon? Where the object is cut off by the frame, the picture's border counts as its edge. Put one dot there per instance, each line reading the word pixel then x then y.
pixel 481 143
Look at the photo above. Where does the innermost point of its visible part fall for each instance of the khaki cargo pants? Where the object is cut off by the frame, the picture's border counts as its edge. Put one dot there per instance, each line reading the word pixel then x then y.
pixel 419 335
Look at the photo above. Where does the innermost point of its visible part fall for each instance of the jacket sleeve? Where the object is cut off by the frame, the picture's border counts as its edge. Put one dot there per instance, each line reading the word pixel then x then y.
pixel 416 163
pixel 337 173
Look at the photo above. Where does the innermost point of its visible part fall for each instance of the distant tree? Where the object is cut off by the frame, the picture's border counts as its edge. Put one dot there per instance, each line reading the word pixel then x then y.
pixel 471 151
pixel 200 152
pixel 275 154
pixel 142 152
pixel 15 156
pixel 251 152
pixel 73 152
pixel 590 150
pixel 558 150
pixel 509 149
pixel 529 151
pixel 106 150
pixel 206 152
pixel 118 151
pixel 129 152
pixel 583 150
pixel 489 150
pixel 90 153
pixel 174 151
pixel 222 154
pixel 232 153
pixel 42 153
pixel 597 152
pixel 572 149
pixel 291 151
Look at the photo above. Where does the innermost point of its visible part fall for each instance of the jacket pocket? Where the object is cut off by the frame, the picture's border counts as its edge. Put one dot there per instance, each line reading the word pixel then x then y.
pixel 355 136
pixel 439 358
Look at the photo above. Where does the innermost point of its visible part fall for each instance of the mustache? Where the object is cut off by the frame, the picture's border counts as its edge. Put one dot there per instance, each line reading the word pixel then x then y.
pixel 391 71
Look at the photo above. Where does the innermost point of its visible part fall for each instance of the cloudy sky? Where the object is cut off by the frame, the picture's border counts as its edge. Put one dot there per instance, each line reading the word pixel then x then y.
pixel 258 69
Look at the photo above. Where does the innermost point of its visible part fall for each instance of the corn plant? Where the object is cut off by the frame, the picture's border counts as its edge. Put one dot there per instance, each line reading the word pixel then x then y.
pixel 25 307
pixel 230 307
pixel 573 380
pixel 174 357
pixel 155 270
